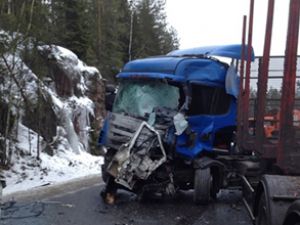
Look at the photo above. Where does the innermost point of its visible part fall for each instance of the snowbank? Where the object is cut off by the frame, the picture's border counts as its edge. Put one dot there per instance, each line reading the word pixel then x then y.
pixel 27 172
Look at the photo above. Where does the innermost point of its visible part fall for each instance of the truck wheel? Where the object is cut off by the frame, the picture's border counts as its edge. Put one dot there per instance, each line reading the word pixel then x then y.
pixel 104 173
pixel 262 216
pixel 107 159
pixel 202 186
pixel 104 166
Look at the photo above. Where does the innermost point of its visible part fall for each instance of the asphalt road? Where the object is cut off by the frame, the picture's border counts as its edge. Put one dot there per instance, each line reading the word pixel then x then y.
pixel 85 207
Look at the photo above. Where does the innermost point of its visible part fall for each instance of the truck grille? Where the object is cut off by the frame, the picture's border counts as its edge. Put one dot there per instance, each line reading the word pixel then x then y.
pixel 122 128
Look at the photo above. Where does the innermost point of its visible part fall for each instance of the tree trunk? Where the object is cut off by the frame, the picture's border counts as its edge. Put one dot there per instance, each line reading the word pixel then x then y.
pixel 99 30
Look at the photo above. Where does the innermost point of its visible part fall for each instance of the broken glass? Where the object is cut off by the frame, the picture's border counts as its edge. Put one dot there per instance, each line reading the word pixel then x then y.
pixel 140 98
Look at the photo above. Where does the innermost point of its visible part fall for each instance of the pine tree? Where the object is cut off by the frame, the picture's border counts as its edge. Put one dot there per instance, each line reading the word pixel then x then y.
pixel 152 35
pixel 111 35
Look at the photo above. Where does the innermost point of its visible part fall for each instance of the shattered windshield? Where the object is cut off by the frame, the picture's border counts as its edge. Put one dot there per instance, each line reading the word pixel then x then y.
pixel 139 98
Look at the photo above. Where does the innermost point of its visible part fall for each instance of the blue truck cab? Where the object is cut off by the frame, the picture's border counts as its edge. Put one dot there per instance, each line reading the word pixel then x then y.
pixel 169 116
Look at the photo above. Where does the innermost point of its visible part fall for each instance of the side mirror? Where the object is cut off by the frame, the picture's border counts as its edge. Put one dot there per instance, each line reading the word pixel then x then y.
pixel 109 101
pixel 110 95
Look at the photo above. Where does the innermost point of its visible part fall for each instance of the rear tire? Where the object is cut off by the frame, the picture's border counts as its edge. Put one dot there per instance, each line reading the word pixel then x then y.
pixel 202 186
pixel 262 216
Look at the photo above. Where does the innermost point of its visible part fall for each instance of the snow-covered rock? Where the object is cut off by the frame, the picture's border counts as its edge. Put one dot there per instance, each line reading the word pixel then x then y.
pixel 69 73
pixel 53 119
pixel 78 88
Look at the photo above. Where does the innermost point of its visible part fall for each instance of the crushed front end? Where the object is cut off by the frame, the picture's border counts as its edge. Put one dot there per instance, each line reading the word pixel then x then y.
pixel 137 132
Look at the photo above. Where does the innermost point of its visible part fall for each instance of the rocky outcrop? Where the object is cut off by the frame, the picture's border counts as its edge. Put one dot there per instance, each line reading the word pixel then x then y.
pixel 41 118
pixel 96 92
pixel 65 109
pixel 80 89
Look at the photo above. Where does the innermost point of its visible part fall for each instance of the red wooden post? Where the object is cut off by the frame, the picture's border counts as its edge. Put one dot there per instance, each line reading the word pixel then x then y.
pixel 263 81
pixel 247 79
pixel 240 129
pixel 286 137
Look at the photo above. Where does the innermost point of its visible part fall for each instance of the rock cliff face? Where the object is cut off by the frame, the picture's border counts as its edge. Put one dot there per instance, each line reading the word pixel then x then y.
pixel 65 109
pixel 81 90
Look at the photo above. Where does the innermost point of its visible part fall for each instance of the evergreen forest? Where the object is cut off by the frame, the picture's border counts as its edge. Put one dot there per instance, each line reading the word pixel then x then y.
pixel 103 33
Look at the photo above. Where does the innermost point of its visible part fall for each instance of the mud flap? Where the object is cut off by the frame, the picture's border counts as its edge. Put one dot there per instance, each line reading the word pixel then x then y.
pixel 205 162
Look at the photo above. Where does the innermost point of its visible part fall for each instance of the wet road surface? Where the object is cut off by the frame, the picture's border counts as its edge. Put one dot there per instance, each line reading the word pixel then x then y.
pixel 85 207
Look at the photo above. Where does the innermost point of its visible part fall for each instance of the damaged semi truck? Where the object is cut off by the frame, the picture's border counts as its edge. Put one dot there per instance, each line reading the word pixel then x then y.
pixel 172 125
pixel 175 125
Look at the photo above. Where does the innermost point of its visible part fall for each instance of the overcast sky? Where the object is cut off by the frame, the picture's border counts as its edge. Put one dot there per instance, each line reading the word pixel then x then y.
pixel 217 22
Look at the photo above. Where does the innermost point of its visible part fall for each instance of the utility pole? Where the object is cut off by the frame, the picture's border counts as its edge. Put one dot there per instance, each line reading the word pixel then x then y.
pixel 99 28
pixel 8 7
pixel 132 7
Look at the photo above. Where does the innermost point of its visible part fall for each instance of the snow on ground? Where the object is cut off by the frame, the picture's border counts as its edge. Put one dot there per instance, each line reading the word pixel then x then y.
pixel 27 172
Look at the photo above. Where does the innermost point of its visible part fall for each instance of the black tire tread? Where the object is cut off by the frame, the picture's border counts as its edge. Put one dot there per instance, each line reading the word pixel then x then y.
pixel 202 186
pixel 262 217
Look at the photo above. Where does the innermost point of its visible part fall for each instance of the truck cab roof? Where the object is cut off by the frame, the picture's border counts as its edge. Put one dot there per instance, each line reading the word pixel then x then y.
pixel 190 65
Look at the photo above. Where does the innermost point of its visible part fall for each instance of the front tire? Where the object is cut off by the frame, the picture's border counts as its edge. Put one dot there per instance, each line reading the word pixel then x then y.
pixel 107 159
pixel 202 186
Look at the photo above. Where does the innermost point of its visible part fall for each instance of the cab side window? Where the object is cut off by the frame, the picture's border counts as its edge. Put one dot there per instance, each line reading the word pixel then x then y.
pixel 208 100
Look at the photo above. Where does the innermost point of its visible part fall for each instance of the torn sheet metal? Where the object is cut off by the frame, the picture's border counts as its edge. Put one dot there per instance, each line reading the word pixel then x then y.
pixel 138 158
pixel 180 123
pixel 232 81
pixel 121 128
